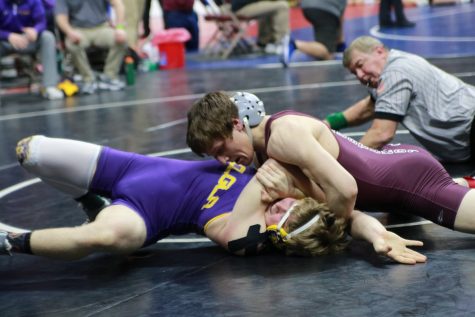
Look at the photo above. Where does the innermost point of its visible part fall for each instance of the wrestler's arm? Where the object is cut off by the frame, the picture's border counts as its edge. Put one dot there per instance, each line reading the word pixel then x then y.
pixel 280 180
pixel 301 148
pixel 243 231
pixel 384 242
pixel 284 180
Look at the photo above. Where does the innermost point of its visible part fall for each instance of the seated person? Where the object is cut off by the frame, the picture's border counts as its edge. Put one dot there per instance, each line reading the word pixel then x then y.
pixel 23 31
pixel 85 24
pixel 273 17
pixel 48 5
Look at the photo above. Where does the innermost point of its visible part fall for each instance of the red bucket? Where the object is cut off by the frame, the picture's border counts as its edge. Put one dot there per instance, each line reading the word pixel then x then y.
pixel 171 47
pixel 172 55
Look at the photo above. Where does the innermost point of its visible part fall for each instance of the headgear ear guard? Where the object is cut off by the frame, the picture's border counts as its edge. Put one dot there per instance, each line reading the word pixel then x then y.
pixel 278 235
pixel 250 107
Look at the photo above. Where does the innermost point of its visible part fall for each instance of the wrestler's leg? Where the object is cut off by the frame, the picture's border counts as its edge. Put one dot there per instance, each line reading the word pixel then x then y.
pixel 465 219
pixel 117 229
pixel 67 165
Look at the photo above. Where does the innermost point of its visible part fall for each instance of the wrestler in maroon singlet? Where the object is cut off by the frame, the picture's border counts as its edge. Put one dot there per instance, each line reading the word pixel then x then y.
pixel 399 177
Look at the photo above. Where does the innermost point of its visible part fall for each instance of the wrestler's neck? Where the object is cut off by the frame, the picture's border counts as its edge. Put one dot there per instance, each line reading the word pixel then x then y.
pixel 258 135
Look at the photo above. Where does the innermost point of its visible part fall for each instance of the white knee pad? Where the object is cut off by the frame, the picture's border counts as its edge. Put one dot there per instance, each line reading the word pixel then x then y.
pixel 68 165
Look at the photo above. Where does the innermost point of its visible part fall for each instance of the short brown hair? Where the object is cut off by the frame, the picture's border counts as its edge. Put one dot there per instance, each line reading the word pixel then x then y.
pixel 327 235
pixel 210 119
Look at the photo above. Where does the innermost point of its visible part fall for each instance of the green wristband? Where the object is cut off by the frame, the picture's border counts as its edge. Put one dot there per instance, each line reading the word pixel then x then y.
pixel 337 120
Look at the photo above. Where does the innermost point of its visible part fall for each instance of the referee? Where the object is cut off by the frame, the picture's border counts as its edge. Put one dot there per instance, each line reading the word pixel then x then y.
pixel 436 107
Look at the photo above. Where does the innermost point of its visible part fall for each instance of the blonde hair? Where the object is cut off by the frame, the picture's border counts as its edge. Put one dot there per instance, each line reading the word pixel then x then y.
pixel 327 235
pixel 363 44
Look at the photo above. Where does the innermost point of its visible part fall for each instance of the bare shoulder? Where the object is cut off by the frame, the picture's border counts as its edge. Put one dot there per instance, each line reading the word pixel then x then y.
pixel 292 127
pixel 298 122
pixel 214 228
pixel 240 238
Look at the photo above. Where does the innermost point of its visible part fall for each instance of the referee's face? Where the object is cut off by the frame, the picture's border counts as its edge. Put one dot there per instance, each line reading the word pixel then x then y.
pixel 367 67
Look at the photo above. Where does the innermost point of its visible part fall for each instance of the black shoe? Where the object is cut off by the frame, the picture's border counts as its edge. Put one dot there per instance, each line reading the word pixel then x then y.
pixel 386 24
pixel 92 204
pixel 405 24
pixel 5 246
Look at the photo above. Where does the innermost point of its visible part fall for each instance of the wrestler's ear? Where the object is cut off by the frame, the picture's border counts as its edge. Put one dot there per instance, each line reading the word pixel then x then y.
pixel 237 124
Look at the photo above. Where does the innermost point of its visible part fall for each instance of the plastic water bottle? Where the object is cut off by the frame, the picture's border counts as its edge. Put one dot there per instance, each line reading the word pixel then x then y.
pixel 129 71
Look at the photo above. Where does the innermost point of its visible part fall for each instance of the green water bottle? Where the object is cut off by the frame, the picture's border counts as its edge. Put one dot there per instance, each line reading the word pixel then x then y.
pixel 129 71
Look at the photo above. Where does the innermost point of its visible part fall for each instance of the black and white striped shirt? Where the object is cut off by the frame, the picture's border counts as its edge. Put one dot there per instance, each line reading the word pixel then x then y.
pixel 436 107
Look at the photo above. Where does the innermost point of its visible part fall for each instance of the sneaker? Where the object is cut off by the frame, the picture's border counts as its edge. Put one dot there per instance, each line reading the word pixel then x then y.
pixel 288 48
pixel 89 88
pixel 273 49
pixel 106 83
pixel 340 47
pixel 386 24
pixel 5 246
pixel 52 93
pixel 405 24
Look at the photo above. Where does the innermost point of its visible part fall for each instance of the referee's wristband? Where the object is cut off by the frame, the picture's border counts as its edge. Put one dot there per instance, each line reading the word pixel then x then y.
pixel 337 120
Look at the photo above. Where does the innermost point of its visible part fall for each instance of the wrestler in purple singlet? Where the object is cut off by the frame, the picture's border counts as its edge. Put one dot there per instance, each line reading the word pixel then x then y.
pixel 399 177
pixel 172 196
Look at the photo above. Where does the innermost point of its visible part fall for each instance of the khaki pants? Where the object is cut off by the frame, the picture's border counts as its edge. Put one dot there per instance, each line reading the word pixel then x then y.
pixel 102 36
pixel 273 19
pixel 133 15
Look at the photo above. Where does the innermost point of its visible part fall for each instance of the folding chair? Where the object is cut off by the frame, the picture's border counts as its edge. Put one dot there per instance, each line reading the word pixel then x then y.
pixel 19 72
pixel 230 34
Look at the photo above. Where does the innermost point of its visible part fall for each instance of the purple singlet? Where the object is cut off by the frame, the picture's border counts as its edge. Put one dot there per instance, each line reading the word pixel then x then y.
pixel 172 196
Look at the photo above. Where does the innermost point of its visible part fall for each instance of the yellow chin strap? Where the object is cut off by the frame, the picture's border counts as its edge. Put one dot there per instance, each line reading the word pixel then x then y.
pixel 276 235
pixel 279 236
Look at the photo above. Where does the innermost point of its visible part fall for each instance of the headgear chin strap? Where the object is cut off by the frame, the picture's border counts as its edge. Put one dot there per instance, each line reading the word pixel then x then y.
pixel 277 234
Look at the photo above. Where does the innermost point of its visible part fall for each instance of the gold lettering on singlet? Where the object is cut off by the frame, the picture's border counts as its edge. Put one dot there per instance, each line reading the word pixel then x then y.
pixel 224 183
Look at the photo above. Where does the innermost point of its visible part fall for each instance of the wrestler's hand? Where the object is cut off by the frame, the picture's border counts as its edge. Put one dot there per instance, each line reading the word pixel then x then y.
pixel 396 248
pixel 276 183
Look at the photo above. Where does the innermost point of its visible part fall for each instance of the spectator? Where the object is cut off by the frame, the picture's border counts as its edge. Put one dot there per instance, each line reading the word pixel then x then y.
pixel 177 14
pixel 326 17
pixel 385 19
pixel 85 24
pixel 180 14
pixel 135 10
pixel 23 31
pixel 49 5
pixel 146 18
pixel 273 19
